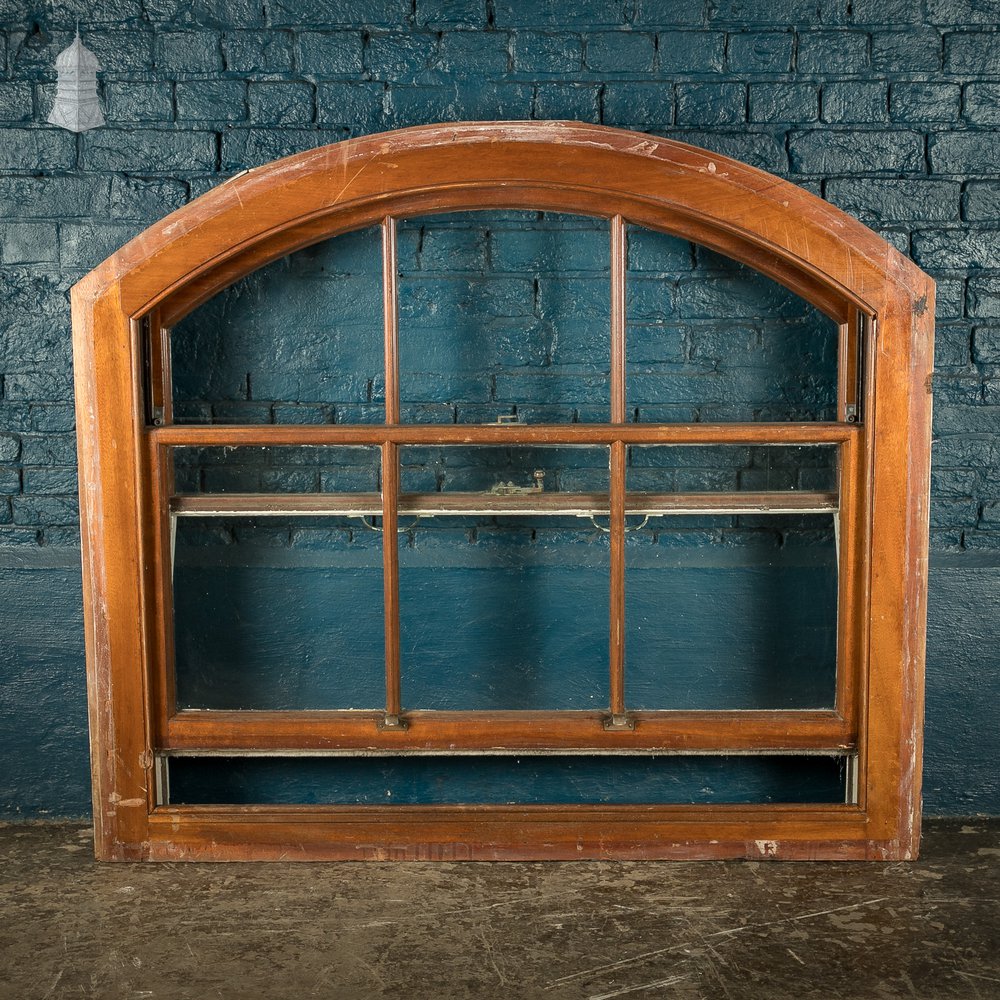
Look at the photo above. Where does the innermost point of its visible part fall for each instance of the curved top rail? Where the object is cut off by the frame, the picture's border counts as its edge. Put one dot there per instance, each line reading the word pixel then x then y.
pixel 262 214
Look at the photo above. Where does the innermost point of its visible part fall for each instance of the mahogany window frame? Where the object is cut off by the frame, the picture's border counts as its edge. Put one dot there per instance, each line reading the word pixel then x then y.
pixel 882 305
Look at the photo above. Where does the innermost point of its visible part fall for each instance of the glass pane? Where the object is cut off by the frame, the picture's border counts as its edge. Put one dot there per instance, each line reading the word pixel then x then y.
pixel 591 779
pixel 298 342
pixel 732 468
pixel 504 313
pixel 277 469
pixel 709 339
pixel 731 613
pixel 278 613
pixel 504 613
pixel 500 471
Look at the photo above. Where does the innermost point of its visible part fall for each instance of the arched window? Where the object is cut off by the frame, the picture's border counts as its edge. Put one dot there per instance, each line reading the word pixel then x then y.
pixel 508 512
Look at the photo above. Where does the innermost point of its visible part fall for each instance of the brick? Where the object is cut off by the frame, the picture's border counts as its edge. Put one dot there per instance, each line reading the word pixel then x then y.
pixel 924 102
pixel 453 249
pixel 257 51
pixel 188 52
pixel 544 53
pixel 50 480
pixel 880 12
pixel 980 104
pixel 351 105
pixel 52 197
pixel 122 51
pixel 148 150
pixel 986 345
pixel 855 102
pixel 246 148
pixel 759 52
pixel 949 513
pixel 963 152
pixel 29 243
pixel 6 516
pixel 347 13
pixel 951 346
pixel 549 250
pixel 585 14
pixel 145 198
pixel 52 417
pixel 826 151
pixel 127 102
pixel 784 102
pixel 86 244
pixel 759 149
pixel 781 12
pixel 10 447
pixel 280 103
pixel 567 102
pixel 443 14
pixel 896 200
pixel 906 52
pixel 658 252
pixel 16 102
pixel 329 53
pixel 642 105
pixel 949 302
pixel 832 52
pixel 399 56
pixel 950 248
pixel 711 104
pixel 43 510
pixel 982 201
pixel 38 385
pixel 34 330
pixel 949 12
pixel 690 52
pixel 473 53
pixel 33 149
pixel 954 482
pixel 214 13
pixel 212 101
pixel 459 102
pixel 48 449
pixel 620 52
pixel 10 481
pixel 973 53
pixel 983 296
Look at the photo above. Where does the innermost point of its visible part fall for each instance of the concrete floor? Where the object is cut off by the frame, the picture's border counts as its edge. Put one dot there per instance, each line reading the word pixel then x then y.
pixel 72 928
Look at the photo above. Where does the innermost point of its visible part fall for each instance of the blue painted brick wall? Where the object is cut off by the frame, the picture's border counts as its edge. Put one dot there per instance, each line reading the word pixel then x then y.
pixel 888 109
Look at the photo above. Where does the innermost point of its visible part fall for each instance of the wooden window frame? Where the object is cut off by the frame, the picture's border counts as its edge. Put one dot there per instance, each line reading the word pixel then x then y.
pixel 883 307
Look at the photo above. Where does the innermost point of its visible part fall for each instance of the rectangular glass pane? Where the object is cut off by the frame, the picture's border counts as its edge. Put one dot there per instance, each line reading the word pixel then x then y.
pixel 504 471
pixel 299 341
pixel 504 612
pixel 277 469
pixel 498 780
pixel 709 339
pixel 502 314
pixel 732 468
pixel 732 612
pixel 278 613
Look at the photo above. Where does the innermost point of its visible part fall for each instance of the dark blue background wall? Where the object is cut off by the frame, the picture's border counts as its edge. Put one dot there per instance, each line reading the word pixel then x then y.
pixel 889 109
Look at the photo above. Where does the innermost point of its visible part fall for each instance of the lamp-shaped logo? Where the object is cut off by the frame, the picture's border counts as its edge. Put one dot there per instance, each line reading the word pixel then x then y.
pixel 77 107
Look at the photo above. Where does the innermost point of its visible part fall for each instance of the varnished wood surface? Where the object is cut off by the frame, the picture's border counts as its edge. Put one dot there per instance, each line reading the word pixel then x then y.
pixel 495 730
pixel 486 504
pixel 818 252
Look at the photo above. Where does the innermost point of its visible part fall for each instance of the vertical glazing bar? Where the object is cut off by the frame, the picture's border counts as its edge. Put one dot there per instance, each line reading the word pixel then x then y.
pixel 619 718
pixel 390 310
pixel 390 582
pixel 390 480
pixel 618 266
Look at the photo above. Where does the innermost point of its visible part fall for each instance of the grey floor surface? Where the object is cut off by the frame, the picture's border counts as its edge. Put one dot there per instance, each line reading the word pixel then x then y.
pixel 734 931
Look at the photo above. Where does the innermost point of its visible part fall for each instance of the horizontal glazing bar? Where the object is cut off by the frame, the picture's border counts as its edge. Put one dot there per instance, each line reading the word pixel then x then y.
pixel 486 504
pixel 501 434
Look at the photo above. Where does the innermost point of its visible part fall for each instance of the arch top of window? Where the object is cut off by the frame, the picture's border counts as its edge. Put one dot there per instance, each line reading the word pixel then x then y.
pixel 823 255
